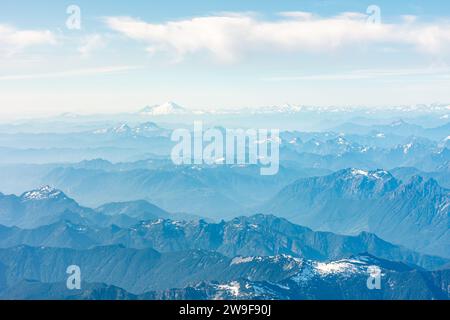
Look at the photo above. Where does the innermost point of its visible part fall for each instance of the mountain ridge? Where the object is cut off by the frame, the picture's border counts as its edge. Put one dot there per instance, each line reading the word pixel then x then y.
pixel 415 213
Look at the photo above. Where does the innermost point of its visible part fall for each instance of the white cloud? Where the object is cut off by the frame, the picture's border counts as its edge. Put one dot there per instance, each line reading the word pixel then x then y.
pixel 217 35
pixel 13 40
pixel 71 73
pixel 297 14
pixel 409 18
pixel 227 37
pixel 91 43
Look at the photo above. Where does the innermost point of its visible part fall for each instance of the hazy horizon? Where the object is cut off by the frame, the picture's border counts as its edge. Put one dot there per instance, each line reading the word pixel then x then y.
pixel 122 58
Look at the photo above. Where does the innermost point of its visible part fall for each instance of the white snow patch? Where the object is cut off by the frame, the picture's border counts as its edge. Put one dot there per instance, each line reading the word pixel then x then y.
pixel 152 223
pixel 365 149
pixel 163 109
pixel 407 147
pixel 342 141
pixel 357 172
pixel 335 267
pixel 239 260
pixel 233 287
pixel 45 192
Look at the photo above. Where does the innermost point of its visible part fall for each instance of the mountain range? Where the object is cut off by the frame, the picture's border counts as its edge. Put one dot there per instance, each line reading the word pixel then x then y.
pixel 413 213
pixel 357 189
pixel 167 108
pixel 398 127
pixel 58 221
pixel 47 205
pixel 279 277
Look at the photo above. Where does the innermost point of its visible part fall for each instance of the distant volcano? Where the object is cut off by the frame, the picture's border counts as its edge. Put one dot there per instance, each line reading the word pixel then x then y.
pixel 163 109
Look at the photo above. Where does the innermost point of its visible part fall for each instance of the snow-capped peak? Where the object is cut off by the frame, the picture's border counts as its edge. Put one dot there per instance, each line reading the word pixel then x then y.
pixel 146 127
pixel 407 147
pixel 358 172
pixel 233 288
pixel 121 128
pixel 363 264
pixel 42 193
pixel 163 109
pixel 376 174
pixel 284 108
pixel 340 267
pixel 342 141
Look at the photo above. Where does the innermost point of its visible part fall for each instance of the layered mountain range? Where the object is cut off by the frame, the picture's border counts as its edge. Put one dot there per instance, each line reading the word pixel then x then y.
pixel 139 227
pixel 414 213
pixel 146 274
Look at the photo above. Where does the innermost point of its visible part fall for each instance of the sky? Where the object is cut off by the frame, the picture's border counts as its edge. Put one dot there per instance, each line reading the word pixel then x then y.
pixel 108 57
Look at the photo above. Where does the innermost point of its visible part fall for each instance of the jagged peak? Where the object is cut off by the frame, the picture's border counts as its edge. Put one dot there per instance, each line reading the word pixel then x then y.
pixel 378 174
pixel 422 185
pixel 281 258
pixel 43 193
pixel 426 182
pixel 258 218
pixel 166 108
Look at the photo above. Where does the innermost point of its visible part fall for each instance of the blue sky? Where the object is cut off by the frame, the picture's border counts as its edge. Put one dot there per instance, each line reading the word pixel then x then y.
pixel 221 54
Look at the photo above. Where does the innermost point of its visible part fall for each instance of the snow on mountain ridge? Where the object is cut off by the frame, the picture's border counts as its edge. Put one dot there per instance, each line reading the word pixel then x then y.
pixel 42 193
pixel 166 108
pixel 375 174
pixel 124 129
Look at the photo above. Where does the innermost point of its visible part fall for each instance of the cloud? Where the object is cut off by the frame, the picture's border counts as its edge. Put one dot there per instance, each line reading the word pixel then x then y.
pixel 297 14
pixel 407 18
pixel 71 73
pixel 365 74
pixel 13 40
pixel 91 43
pixel 217 35
pixel 228 37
